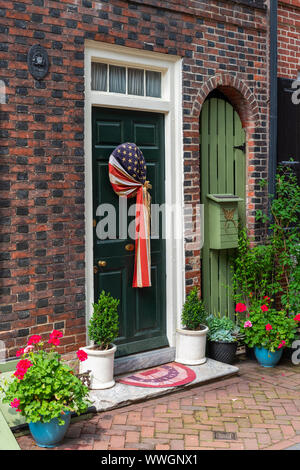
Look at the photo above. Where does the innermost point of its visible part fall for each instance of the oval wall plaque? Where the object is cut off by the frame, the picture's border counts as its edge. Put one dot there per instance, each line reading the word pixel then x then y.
pixel 38 62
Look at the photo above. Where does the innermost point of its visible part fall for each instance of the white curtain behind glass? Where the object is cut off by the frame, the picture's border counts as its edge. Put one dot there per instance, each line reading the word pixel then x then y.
pixel 99 76
pixel 153 84
pixel 136 82
pixel 117 79
pixel 120 77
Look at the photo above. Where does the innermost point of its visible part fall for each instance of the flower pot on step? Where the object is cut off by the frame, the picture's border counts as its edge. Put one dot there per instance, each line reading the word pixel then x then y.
pixel 190 346
pixel 222 352
pixel 101 365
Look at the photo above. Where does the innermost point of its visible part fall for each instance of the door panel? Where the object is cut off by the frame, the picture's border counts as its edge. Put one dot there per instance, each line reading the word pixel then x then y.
pixel 141 311
pixel 222 172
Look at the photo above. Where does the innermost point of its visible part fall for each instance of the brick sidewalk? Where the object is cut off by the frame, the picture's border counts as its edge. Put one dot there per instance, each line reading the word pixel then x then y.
pixel 261 407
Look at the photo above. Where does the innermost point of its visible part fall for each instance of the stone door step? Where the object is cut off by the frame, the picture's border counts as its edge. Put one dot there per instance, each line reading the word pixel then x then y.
pixel 123 395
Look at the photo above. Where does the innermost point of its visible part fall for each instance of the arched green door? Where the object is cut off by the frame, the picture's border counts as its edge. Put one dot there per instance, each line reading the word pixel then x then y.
pixel 222 166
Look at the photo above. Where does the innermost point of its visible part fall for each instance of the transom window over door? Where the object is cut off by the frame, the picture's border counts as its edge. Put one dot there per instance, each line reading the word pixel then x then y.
pixel 125 80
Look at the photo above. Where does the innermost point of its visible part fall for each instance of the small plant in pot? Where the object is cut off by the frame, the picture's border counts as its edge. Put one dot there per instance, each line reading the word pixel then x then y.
pixel 191 338
pixel 103 329
pixel 222 338
pixel 45 390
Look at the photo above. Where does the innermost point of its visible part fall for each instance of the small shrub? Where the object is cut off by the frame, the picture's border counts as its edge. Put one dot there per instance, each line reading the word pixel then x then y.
pixel 193 313
pixel 103 327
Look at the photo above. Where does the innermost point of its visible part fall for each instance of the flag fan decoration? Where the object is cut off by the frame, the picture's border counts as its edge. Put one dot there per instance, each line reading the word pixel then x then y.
pixel 127 174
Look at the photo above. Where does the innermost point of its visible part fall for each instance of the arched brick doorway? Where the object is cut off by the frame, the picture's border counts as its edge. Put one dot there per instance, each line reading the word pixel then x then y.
pixel 245 108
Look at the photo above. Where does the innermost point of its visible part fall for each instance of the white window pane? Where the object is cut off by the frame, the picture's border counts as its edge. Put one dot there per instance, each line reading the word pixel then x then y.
pixel 136 82
pixel 153 84
pixel 117 79
pixel 99 76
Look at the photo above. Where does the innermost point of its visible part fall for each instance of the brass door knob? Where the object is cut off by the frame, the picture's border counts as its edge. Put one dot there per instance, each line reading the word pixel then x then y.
pixel 102 264
pixel 129 247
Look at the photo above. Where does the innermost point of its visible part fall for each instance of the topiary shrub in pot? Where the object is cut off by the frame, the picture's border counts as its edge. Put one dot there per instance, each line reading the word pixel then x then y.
pixel 103 329
pixel 191 337
pixel 222 338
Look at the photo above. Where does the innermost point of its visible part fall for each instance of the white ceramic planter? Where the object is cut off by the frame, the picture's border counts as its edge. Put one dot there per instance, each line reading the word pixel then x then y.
pixel 190 346
pixel 101 365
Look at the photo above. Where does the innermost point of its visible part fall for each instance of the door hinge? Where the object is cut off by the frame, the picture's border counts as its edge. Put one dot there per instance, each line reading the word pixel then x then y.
pixel 240 147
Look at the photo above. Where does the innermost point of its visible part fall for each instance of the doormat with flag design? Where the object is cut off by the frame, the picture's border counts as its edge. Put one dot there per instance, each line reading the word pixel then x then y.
pixel 167 375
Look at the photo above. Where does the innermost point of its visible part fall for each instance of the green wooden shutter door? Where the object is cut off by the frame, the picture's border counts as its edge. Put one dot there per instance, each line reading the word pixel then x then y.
pixel 222 172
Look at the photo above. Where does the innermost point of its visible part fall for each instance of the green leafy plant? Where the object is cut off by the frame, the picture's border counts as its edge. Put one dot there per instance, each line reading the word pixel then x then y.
pixel 193 312
pixel 268 328
pixel 274 267
pixel 284 227
pixel 222 336
pixel 104 325
pixel 253 271
pixel 221 329
pixel 43 387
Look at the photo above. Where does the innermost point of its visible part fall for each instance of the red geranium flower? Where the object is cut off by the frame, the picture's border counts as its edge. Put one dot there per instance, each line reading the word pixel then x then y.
pixel 297 317
pixel 15 403
pixel 20 352
pixel 22 367
pixel 240 308
pixel 54 337
pixel 269 327
pixel 266 298
pixel 54 341
pixel 264 308
pixel 82 355
pixel 34 339
pixel 56 334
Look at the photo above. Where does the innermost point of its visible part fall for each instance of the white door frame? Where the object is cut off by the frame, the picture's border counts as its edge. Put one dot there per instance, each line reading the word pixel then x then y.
pixel 171 106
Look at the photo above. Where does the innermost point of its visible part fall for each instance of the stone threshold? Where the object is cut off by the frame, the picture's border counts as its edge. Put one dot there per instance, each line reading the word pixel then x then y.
pixel 143 360
pixel 122 395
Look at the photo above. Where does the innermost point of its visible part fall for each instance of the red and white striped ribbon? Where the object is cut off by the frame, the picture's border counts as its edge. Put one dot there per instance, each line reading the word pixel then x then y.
pixel 125 185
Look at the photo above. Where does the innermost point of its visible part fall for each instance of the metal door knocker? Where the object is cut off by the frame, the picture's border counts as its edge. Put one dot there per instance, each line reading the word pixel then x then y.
pixel 38 62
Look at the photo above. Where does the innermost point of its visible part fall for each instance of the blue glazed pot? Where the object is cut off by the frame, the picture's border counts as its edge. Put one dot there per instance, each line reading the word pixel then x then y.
pixel 267 358
pixel 50 434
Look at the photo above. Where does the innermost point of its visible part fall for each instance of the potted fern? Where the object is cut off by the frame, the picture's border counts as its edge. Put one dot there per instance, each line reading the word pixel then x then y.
pixel 103 329
pixel 191 338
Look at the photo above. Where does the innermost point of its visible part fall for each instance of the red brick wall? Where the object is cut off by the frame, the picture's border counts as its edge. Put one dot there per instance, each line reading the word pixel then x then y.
pixel 289 38
pixel 223 43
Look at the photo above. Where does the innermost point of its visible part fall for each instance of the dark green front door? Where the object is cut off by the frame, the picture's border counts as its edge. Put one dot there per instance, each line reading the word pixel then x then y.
pixel 141 311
